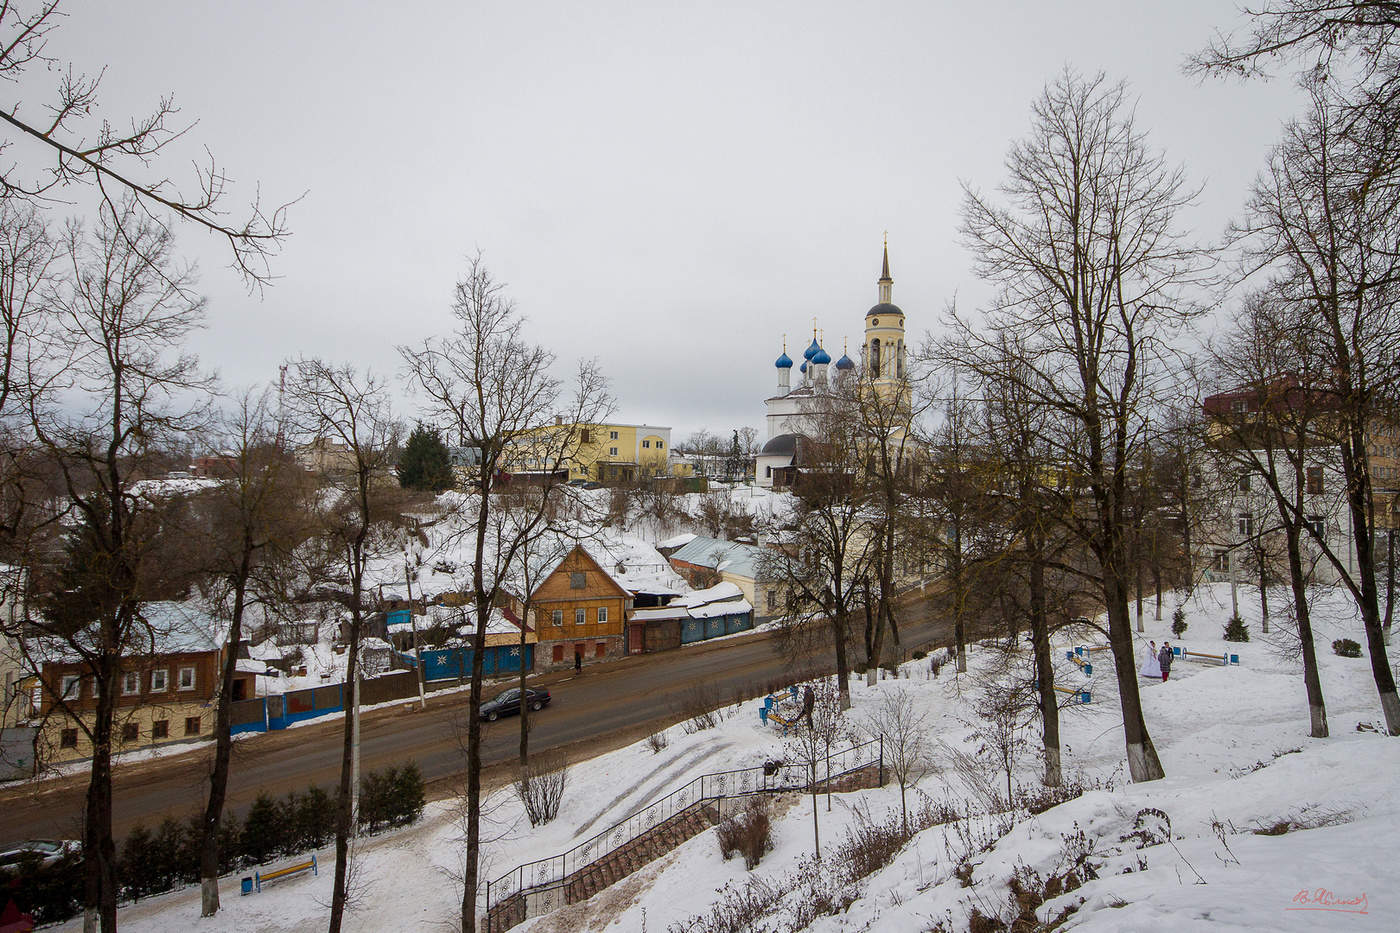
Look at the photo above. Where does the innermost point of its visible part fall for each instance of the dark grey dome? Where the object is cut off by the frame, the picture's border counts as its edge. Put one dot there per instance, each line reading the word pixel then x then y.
pixel 884 308
pixel 780 445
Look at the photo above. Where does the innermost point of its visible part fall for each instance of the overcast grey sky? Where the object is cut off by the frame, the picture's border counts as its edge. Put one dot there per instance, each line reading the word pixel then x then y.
pixel 668 187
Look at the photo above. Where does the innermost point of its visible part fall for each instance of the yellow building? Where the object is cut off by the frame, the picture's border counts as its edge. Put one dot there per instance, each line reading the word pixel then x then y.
pixel 606 453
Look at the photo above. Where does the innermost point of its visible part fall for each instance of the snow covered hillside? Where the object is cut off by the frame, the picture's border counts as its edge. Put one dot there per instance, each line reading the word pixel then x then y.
pixel 1256 826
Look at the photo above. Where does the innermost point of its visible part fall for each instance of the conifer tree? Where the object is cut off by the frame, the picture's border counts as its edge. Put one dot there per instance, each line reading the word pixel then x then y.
pixel 425 463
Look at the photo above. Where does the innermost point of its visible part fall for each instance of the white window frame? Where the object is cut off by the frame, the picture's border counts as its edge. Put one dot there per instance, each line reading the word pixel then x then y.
pixel 612 451
pixel 191 672
pixel 557 617
pixel 580 616
pixel 612 436
pixel 160 680
pixel 71 686
pixel 602 614
pixel 131 683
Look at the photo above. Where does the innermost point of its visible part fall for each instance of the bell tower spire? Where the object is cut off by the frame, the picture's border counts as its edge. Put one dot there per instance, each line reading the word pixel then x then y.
pixel 886 283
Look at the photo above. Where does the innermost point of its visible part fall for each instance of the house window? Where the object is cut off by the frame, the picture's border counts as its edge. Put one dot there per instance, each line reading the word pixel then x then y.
pixel 160 729
pixel 557 617
pixel 1314 480
pixel 1239 406
pixel 612 451
pixel 160 681
pixel 612 436
pixel 646 444
pixel 602 613
pixel 1315 527
pixel 772 600
pixel 767 471
pixel 68 738
pixel 659 445
pixel 131 682
pixel 577 581
pixel 584 436
pixel 580 616
pixel 1244 482
pixel 1222 562
pixel 191 725
pixel 186 678
pixel 70 686
pixel 558 653
pixel 1245 524
pixel 129 732
pixel 600 649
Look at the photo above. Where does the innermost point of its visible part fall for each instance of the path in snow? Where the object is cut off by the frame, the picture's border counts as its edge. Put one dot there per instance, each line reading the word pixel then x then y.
pixel 668 774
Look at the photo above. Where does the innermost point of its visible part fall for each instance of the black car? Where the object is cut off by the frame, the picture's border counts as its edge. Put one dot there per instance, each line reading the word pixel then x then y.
pixel 507 702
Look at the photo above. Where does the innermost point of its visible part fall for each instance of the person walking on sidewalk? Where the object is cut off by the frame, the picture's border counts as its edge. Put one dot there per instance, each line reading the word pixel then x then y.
pixel 1165 660
pixel 578 662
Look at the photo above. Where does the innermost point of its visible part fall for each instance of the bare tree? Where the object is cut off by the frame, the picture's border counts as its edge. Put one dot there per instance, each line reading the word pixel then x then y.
pixel 1323 224
pixel 498 391
pixel 824 545
pixel 78 146
pixel 907 749
pixel 1290 30
pixel 118 385
pixel 255 507
pixel 1090 266
pixel 350 409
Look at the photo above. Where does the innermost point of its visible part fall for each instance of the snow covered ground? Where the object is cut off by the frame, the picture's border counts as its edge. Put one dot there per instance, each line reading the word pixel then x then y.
pixel 1233 741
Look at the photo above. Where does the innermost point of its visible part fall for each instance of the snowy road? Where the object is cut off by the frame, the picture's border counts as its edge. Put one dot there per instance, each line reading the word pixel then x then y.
pixel 608 706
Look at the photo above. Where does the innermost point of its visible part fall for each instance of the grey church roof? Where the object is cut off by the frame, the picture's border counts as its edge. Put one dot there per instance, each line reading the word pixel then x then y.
pixel 883 308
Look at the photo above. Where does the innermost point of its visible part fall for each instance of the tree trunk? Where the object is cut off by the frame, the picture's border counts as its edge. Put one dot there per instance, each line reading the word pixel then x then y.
pixel 524 706
pixel 99 849
pixel 1297 578
pixel 469 888
pixel 1358 493
pixel 223 745
pixel 843 671
pixel 345 792
pixel 1044 670
pixel 1263 592
pixel 1143 764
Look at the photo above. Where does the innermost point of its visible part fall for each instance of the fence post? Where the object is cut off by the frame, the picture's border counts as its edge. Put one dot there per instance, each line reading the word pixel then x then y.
pixel 488 905
pixel 882 759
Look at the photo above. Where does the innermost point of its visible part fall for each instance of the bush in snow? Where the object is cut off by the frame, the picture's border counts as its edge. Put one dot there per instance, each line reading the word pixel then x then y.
pixel 1179 622
pixel 657 742
pixel 540 788
pixel 1346 648
pixel 1236 630
pixel 747 831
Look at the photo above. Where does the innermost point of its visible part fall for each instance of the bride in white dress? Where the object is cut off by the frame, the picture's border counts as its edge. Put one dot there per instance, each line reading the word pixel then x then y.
pixel 1151 667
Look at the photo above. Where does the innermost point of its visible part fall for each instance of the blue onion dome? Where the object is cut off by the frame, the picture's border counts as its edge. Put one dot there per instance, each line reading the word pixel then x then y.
pixel 784 362
pixel 802 368
pixel 845 363
pixel 813 350
pixel 821 357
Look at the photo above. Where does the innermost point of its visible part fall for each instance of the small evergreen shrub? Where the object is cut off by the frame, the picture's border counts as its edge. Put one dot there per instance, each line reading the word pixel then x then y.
pixel 918 654
pixel 264 832
pixel 1179 622
pixel 1236 630
pixel 1346 648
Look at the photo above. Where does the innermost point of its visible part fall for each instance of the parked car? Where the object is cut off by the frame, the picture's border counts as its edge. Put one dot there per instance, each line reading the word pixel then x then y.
pixel 47 851
pixel 508 701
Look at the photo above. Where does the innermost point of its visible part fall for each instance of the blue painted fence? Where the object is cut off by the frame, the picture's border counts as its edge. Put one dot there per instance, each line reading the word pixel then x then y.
pixel 693 630
pixel 451 663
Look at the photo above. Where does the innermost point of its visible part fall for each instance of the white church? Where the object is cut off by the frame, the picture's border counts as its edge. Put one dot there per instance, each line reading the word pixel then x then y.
pixel 789 410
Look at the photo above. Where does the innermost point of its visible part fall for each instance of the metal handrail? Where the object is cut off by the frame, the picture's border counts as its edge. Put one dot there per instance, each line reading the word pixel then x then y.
pixel 551 872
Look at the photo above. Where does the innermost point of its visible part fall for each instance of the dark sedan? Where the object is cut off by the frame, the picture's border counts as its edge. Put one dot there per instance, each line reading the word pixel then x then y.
pixel 507 702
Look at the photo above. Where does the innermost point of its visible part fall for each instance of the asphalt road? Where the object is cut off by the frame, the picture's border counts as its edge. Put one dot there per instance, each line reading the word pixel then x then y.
pixel 605 707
